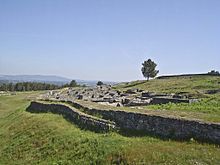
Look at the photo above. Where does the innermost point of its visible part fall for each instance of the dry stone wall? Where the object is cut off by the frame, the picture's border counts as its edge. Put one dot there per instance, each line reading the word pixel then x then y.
pixel 129 121
pixel 188 75
pixel 160 126
pixel 82 119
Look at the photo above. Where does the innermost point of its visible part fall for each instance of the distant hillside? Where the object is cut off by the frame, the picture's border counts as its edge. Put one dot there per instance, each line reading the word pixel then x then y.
pixel 94 82
pixel 34 78
pixel 51 79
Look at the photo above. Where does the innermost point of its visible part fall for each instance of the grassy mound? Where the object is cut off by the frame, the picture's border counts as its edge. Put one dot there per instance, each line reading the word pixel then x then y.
pixel 192 85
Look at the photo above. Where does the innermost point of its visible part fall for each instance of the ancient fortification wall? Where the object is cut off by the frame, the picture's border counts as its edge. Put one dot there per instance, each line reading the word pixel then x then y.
pixel 187 75
pixel 82 119
pixel 150 124
pixel 161 126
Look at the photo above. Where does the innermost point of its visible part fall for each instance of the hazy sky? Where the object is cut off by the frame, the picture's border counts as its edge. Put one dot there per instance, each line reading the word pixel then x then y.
pixel 108 39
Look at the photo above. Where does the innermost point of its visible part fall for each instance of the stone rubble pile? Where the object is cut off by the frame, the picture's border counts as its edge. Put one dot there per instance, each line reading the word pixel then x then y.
pixel 104 94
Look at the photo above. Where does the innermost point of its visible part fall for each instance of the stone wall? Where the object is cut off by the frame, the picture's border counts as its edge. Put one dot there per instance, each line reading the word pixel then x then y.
pixel 173 128
pixel 160 126
pixel 77 117
pixel 187 75
pixel 162 100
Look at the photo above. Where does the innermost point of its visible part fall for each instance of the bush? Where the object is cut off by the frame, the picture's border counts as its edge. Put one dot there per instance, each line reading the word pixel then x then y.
pixel 100 83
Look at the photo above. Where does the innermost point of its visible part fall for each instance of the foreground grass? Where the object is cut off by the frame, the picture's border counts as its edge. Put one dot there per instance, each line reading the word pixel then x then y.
pixel 27 138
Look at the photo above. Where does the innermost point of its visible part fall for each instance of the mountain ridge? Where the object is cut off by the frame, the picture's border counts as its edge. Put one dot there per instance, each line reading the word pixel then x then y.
pixel 53 79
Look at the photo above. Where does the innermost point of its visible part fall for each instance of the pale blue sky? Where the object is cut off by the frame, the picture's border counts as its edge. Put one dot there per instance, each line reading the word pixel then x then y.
pixel 108 39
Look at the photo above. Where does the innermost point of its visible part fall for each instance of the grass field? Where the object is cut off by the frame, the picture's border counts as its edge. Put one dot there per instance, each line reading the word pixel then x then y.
pixel 27 138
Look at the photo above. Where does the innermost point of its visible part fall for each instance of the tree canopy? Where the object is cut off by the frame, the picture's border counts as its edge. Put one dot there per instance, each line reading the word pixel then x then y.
pixel 100 83
pixel 27 86
pixel 34 86
pixel 214 72
pixel 73 83
pixel 149 69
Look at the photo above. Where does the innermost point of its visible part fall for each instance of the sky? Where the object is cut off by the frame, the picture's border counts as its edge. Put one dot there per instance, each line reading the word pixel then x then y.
pixel 108 39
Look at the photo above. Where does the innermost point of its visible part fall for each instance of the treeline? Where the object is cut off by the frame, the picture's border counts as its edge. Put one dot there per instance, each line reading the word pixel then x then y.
pixel 28 86
pixel 34 86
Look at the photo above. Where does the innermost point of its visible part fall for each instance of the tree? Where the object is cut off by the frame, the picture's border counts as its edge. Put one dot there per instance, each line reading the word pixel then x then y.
pixel 100 83
pixel 213 72
pixel 73 83
pixel 149 69
pixel 27 86
pixel 10 87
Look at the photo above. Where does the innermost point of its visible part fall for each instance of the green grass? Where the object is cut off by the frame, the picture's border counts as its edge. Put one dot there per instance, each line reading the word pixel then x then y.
pixel 208 105
pixel 193 86
pixel 206 109
pixel 27 138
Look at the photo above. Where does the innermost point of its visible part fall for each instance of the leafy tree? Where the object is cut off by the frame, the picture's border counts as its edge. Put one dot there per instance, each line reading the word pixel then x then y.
pixel 99 83
pixel 73 83
pixel 27 86
pixel 33 86
pixel 10 87
pixel 213 72
pixel 149 69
